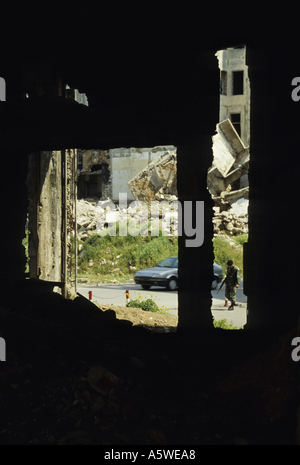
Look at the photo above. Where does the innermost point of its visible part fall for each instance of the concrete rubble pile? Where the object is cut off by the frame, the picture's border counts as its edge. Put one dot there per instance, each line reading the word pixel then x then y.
pixel 233 221
pixel 231 159
pixel 155 191
pixel 227 180
pixel 95 217
pixel 87 217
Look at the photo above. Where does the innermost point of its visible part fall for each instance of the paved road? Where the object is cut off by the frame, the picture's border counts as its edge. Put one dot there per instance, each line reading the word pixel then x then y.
pixel 107 294
pixel 239 315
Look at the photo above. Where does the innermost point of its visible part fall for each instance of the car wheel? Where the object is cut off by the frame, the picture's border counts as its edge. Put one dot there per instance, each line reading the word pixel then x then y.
pixel 146 286
pixel 214 284
pixel 172 284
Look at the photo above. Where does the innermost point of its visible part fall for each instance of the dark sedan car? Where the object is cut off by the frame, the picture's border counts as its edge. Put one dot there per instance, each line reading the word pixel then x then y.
pixel 165 274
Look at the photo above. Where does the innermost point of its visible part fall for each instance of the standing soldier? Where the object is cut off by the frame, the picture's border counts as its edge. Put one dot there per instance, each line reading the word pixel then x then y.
pixel 232 282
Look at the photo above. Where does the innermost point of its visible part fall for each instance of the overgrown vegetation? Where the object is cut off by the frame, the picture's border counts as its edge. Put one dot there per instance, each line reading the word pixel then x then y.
pixel 224 324
pixel 147 304
pixel 104 258
pixel 226 248
pixel 103 254
pixel 121 256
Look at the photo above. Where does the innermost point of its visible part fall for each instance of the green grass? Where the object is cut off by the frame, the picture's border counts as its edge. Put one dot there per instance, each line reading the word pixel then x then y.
pixel 241 239
pixel 127 254
pixel 147 304
pixel 140 252
pixel 135 253
pixel 224 324
pixel 224 251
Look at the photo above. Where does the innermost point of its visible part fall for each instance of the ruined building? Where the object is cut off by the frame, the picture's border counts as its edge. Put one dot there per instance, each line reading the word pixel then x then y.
pixel 227 178
pixel 150 86
pixel 235 90
pixel 106 173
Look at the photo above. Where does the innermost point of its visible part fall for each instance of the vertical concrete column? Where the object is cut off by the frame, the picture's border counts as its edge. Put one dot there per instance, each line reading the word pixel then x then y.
pixel 194 158
pixel 195 263
pixel 272 253
pixel 14 167
pixel 64 221
pixel 45 198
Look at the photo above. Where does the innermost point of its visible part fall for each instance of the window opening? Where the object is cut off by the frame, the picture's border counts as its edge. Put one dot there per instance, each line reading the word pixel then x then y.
pixel 237 82
pixel 227 180
pixel 106 225
pixel 236 122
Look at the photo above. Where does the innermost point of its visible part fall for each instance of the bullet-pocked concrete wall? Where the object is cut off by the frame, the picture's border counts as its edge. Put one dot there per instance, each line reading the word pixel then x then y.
pixel 45 215
pixel 271 256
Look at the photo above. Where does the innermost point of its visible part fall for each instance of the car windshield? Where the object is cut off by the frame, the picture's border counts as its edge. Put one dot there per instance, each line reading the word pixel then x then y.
pixel 171 262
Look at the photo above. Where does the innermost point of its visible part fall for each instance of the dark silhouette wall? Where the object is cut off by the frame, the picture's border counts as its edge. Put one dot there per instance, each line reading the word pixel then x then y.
pixel 162 88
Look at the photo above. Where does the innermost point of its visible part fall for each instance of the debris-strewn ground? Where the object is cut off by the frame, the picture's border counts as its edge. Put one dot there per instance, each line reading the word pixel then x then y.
pixel 76 374
pixel 152 321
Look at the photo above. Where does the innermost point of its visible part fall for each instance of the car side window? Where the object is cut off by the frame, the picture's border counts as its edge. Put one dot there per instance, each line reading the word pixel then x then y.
pixel 175 263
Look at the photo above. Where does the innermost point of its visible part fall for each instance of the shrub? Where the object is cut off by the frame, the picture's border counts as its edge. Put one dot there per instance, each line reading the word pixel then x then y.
pixel 147 251
pixel 140 252
pixel 224 324
pixel 148 305
pixel 153 252
pixel 224 251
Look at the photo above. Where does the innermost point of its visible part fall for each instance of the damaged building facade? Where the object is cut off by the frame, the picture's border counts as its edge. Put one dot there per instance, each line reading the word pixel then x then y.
pixel 156 183
pixel 227 178
pixel 52 211
pixel 93 175
pixel 134 171
pixel 52 214
pixel 235 90
pixel 105 174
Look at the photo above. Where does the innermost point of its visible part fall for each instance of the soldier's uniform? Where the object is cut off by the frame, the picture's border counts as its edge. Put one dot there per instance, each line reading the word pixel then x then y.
pixel 232 278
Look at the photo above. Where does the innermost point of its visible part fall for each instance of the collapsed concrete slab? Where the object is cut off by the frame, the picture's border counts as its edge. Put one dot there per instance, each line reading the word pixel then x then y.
pixel 231 158
pixel 158 181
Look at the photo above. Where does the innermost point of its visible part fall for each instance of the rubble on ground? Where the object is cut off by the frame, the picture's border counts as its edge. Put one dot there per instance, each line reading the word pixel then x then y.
pixel 153 322
pixel 87 216
pixel 227 181
pixel 95 217
pixel 155 191
pixel 92 218
pixel 233 221
pixel 98 379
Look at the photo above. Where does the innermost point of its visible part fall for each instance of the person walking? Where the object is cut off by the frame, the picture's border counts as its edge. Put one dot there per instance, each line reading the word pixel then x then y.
pixel 232 282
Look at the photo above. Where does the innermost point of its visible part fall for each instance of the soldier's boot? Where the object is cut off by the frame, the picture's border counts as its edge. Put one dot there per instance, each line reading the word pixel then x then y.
pixel 231 306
